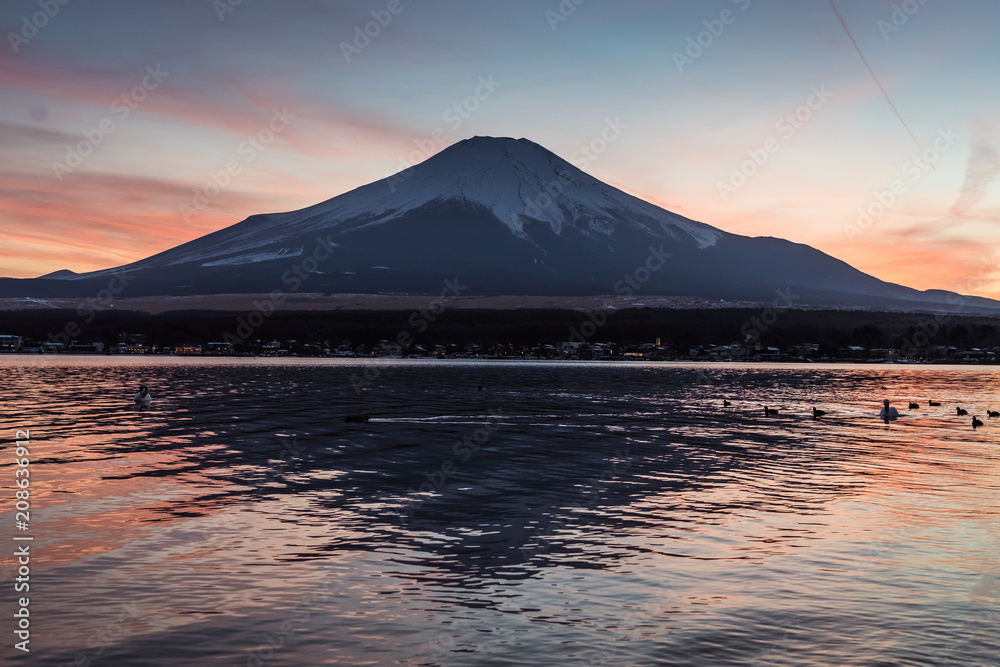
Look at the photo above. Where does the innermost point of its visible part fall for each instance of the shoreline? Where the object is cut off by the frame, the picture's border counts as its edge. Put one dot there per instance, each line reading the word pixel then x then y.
pixel 808 363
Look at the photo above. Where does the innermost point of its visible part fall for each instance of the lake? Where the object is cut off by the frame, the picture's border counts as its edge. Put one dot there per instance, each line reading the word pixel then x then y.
pixel 565 513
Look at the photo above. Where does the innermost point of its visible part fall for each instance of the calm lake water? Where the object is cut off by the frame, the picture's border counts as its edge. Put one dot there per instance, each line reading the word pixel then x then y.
pixel 567 513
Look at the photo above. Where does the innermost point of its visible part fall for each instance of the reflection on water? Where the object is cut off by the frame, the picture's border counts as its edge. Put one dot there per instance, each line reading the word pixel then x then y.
pixel 565 513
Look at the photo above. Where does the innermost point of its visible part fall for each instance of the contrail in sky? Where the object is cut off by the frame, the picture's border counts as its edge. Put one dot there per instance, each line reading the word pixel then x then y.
pixel 874 78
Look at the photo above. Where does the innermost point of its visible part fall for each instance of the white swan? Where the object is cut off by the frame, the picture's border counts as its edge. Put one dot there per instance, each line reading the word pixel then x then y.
pixel 143 399
pixel 888 413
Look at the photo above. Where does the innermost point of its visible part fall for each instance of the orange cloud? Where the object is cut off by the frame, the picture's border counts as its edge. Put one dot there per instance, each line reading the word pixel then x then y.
pixel 95 221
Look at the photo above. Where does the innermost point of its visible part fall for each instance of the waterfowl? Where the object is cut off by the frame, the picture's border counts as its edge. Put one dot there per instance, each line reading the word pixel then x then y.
pixel 357 418
pixel 961 412
pixel 933 403
pixel 888 413
pixel 992 413
pixel 726 403
pixel 818 413
pixel 143 399
pixel 976 421
pixel 770 412
pixel 913 406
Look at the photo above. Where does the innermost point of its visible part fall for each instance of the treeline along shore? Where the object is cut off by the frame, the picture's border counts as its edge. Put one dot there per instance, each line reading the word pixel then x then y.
pixel 721 333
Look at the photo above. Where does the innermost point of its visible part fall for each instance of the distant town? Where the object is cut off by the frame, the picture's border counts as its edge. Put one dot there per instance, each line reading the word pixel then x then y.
pixel 654 334
pixel 139 344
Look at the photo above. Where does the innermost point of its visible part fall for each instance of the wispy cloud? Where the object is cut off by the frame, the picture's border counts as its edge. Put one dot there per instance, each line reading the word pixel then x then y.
pixel 981 170
pixel 19 135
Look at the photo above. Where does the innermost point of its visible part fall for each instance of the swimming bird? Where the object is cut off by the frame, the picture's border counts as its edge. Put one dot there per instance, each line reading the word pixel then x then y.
pixel 726 403
pixel 961 412
pixel 818 413
pixel 933 404
pixel 976 421
pixel 992 413
pixel 888 413
pixel 770 412
pixel 914 406
pixel 143 399
pixel 357 418
pixel 480 388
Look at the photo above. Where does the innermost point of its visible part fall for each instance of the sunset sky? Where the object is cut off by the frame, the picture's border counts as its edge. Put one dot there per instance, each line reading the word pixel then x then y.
pixel 114 116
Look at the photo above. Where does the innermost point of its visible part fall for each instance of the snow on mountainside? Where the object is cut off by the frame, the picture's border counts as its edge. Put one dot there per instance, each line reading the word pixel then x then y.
pixel 503 217
pixel 514 179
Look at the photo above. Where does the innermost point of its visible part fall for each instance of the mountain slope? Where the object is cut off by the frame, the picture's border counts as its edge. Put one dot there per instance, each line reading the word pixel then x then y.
pixel 503 216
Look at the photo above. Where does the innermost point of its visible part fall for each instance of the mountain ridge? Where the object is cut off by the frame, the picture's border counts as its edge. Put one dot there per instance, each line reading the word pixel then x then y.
pixel 508 217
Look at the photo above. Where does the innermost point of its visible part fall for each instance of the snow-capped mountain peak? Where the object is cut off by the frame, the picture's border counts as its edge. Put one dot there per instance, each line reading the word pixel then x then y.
pixel 518 181
pixel 504 217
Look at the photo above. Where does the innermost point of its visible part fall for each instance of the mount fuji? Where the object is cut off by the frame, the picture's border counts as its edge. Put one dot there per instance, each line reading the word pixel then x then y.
pixel 501 216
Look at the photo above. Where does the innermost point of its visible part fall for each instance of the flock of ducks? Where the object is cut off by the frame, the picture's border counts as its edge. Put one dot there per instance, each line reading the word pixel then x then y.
pixel 773 412
pixel 143 399
pixel 888 413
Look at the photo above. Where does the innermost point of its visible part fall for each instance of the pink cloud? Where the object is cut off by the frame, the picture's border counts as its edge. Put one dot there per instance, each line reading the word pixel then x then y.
pixel 235 105
pixel 95 221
